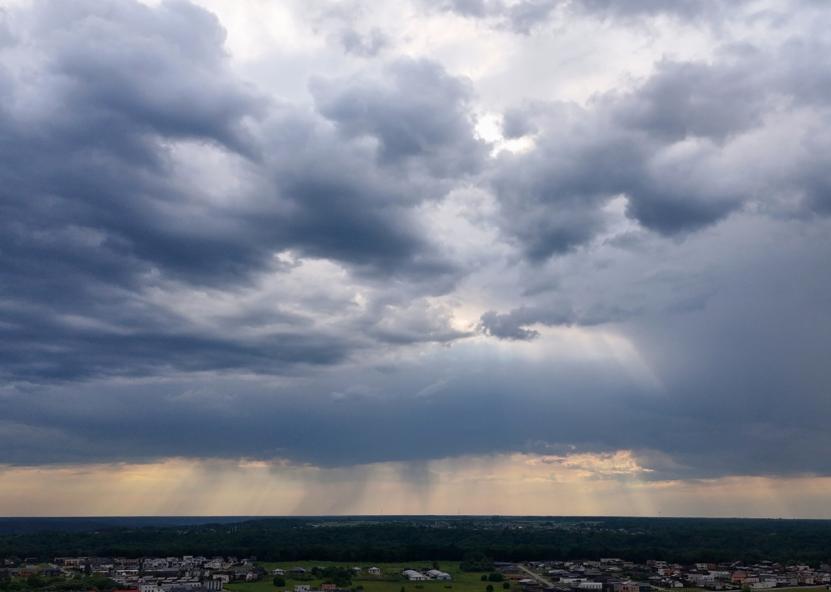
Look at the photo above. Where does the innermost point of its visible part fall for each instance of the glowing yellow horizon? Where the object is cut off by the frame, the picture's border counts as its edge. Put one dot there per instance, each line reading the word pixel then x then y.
pixel 515 484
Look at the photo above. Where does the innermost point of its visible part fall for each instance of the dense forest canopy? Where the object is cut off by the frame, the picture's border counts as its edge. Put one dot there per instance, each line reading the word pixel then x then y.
pixel 451 538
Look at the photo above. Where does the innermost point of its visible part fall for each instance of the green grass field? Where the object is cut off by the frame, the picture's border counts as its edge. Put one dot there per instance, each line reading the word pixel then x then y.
pixel 390 581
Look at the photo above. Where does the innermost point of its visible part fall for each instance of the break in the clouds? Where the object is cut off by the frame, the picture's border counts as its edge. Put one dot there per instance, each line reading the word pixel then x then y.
pixel 346 235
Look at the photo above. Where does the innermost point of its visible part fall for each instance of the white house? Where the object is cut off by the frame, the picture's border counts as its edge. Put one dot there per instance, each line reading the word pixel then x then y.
pixel 435 574
pixel 374 571
pixel 414 576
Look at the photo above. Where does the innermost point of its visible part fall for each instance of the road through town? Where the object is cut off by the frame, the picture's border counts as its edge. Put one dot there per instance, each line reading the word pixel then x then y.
pixel 536 576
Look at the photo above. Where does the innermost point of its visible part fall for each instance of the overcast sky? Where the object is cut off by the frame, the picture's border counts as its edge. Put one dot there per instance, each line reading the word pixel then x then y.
pixel 478 256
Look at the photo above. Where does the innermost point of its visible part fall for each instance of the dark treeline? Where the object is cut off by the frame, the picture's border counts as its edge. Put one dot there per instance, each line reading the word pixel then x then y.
pixel 449 538
pixel 29 525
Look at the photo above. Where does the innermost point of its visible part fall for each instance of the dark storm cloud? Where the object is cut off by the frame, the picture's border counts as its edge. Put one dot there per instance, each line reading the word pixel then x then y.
pixel 347 210
pixel 553 312
pixel 750 362
pixel 166 76
pixel 410 411
pixel 37 348
pixel 514 325
pixel 689 99
pixel 739 373
pixel 83 130
pixel 739 388
pixel 552 197
pixel 417 113
pixel 508 326
pixel 516 124
pixel 95 207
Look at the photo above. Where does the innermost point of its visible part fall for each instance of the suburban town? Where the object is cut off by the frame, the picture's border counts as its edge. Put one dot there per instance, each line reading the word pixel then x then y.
pixel 214 574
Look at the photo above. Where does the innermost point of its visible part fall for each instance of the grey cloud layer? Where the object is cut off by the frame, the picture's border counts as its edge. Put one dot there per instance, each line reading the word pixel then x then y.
pixel 181 248
pixel 692 144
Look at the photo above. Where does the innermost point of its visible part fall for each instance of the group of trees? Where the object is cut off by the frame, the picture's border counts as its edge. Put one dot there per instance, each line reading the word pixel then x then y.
pixel 495 577
pixel 476 561
pixel 339 576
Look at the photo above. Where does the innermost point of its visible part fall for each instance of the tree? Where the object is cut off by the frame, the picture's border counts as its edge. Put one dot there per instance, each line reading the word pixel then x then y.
pixel 489 588
pixel 506 585
pixel 496 577
pixel 484 578
pixel 476 561
pixel 339 576
pixel 279 581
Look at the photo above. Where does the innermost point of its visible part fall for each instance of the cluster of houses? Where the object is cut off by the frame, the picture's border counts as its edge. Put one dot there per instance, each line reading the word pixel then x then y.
pixel 731 576
pixel 148 574
pixel 210 574
pixel 617 575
